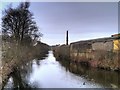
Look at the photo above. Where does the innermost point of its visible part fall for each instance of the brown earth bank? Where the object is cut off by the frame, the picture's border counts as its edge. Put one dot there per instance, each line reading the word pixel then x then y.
pixel 14 55
pixel 102 59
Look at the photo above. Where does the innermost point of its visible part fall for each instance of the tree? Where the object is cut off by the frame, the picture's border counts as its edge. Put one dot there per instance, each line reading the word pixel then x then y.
pixel 18 23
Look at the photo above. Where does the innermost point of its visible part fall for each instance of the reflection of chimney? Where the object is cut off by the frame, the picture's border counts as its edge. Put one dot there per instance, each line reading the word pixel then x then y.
pixel 67 38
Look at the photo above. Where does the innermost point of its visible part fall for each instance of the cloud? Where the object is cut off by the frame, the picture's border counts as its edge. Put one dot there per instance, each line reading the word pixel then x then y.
pixel 81 19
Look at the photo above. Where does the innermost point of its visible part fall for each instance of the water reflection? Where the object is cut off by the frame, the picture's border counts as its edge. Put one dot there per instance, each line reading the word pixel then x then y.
pixel 49 73
pixel 18 79
pixel 103 77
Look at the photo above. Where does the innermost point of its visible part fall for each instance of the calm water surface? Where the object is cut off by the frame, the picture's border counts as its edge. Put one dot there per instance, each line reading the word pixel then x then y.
pixel 49 73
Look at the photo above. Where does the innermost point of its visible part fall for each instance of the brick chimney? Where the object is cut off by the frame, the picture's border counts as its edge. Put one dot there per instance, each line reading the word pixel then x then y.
pixel 67 37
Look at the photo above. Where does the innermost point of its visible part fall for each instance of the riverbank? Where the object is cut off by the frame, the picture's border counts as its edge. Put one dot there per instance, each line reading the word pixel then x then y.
pixel 98 53
pixel 14 55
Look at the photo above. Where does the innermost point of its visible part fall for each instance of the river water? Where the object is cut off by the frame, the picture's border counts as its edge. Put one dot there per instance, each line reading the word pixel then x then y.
pixel 49 73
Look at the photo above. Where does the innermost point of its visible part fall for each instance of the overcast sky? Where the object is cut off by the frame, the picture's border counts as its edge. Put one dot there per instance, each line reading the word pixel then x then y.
pixel 84 20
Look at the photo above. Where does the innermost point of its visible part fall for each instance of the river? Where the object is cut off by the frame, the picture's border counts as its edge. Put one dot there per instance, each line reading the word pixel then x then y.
pixel 49 73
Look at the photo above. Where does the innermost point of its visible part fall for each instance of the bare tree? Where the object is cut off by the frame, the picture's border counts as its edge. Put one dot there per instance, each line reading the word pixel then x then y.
pixel 19 24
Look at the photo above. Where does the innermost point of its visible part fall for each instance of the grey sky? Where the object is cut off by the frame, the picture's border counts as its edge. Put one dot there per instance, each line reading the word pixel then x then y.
pixel 83 20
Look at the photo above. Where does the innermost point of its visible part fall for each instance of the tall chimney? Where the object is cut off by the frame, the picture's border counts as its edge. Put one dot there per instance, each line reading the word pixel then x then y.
pixel 67 38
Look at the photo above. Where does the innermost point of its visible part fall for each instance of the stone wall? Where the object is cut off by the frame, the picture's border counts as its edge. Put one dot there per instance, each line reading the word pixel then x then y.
pixel 107 46
pixel 95 44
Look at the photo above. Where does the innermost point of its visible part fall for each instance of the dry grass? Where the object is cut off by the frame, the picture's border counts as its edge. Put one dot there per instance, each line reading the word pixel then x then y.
pixel 14 55
pixel 98 58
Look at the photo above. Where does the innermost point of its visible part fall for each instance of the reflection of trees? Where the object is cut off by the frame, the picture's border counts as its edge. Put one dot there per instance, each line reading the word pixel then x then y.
pixel 26 69
pixel 38 62
pixel 19 82
pixel 39 58
pixel 21 74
